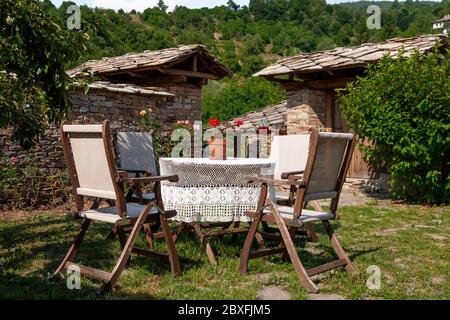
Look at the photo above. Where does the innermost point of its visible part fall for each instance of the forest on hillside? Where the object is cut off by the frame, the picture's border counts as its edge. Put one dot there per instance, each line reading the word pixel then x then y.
pixel 249 37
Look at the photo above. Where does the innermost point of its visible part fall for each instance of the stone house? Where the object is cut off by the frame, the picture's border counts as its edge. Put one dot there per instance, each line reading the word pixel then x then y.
pixel 169 81
pixel 311 81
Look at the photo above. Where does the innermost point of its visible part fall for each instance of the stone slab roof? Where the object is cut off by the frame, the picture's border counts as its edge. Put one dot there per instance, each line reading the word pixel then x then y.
pixel 149 60
pixel 128 89
pixel 444 19
pixel 346 58
pixel 275 115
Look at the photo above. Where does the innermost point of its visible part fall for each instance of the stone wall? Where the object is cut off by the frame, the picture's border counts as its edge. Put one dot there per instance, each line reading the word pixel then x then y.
pixel 306 109
pixel 120 108
pixel 123 109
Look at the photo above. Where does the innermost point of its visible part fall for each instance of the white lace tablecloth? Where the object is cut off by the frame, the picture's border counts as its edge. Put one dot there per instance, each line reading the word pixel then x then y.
pixel 212 190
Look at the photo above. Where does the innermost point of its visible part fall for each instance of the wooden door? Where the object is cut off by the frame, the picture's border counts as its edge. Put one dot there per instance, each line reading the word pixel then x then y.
pixel 358 167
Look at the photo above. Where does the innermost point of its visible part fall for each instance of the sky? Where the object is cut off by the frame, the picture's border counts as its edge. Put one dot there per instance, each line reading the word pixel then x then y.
pixel 141 5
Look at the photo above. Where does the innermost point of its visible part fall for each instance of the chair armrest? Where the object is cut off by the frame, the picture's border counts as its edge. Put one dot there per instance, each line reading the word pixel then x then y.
pixel 123 174
pixel 149 179
pixel 143 172
pixel 288 175
pixel 298 183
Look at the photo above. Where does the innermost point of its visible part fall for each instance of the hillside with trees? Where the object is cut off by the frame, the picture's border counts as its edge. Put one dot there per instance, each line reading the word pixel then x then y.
pixel 248 38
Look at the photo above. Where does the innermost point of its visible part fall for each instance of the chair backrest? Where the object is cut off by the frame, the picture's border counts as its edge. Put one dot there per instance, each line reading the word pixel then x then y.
pixel 329 158
pixel 290 153
pixel 90 161
pixel 136 151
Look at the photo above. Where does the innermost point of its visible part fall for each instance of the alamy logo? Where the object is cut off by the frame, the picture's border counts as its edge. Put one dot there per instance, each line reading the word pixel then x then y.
pixel 74 20
pixel 374 280
pixel 73 278
pixel 374 20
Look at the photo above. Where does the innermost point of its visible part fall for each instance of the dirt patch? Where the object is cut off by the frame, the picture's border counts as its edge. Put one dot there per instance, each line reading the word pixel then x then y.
pixel 436 237
pixel 421 226
pixel 402 263
pixel 388 232
pixel 13 215
pixel 313 250
pixel 438 280
pixel 265 277
pixel 324 296
pixel 273 293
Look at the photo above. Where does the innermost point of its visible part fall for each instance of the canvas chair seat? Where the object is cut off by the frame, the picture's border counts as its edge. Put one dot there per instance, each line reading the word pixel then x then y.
pixel 147 197
pixel 308 197
pixel 278 197
pixel 110 214
pixel 307 215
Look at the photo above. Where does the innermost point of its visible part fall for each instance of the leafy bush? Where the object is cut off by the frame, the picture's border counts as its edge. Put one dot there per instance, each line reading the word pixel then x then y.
pixel 229 99
pixel 161 136
pixel 402 107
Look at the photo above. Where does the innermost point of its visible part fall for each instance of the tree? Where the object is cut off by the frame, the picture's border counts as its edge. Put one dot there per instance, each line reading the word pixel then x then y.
pixel 33 82
pixel 325 43
pixel 232 98
pixel 156 17
pixel 251 65
pixel 402 107
pixel 162 5
pixel 232 5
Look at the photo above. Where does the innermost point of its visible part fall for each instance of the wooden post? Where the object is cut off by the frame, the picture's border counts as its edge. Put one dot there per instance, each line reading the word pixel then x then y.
pixel 330 111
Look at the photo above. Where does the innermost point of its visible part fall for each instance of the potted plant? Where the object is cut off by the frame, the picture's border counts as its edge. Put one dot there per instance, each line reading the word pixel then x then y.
pixel 218 147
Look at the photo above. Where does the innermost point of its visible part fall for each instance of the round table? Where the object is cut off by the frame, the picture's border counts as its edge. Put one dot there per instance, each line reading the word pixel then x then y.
pixel 212 190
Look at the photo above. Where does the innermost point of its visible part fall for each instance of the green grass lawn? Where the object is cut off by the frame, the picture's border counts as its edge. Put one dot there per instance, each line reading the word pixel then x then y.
pixel 410 244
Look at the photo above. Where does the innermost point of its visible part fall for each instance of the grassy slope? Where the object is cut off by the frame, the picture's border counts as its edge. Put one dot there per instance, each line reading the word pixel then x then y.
pixel 410 244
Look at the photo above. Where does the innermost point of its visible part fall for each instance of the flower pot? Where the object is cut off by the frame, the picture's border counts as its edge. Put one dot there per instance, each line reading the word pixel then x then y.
pixel 218 149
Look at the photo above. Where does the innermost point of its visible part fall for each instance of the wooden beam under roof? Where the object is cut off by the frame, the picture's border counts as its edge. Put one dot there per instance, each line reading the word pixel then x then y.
pixel 159 80
pixel 137 75
pixel 329 84
pixel 188 73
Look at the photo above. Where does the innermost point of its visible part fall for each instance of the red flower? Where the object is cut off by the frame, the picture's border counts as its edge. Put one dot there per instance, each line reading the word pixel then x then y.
pixel 214 122
pixel 239 122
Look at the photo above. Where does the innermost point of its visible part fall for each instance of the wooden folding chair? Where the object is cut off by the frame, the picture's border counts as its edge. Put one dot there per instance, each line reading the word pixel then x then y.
pixel 137 157
pixel 328 162
pixel 93 173
pixel 290 154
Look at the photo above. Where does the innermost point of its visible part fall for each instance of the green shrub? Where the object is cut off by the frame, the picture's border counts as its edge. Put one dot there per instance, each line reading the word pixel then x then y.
pixel 402 107
pixel 231 98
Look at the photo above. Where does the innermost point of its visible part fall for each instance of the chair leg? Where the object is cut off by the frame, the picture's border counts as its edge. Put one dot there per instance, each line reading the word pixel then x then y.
pixel 338 248
pixel 209 250
pixel 234 237
pixel 300 270
pixel 149 236
pixel 206 244
pixel 182 228
pixel 122 237
pixel 112 234
pixel 126 251
pixel 70 256
pixel 245 254
pixel 311 233
pixel 261 241
pixel 225 227
pixel 292 232
pixel 173 255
